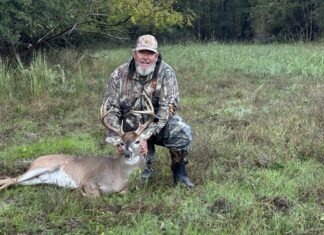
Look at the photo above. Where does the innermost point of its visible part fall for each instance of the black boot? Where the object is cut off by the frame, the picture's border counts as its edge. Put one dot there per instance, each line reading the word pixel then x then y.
pixel 178 167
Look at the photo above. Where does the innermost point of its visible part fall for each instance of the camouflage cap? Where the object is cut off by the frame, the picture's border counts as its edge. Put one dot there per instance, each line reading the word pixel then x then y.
pixel 147 42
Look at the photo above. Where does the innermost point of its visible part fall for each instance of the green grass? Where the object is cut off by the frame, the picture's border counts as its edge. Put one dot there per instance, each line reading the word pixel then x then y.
pixel 257 156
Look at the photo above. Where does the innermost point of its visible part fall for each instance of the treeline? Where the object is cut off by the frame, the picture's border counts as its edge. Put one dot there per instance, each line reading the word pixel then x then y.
pixel 260 20
pixel 27 26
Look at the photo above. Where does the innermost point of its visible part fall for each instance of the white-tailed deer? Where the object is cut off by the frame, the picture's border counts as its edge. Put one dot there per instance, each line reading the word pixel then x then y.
pixel 93 175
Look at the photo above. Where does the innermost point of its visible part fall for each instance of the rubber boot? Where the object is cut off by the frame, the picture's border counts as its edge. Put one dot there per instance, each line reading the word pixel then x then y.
pixel 178 167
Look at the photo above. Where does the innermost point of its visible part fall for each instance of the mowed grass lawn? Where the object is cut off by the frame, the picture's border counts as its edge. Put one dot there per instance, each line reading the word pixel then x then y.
pixel 257 158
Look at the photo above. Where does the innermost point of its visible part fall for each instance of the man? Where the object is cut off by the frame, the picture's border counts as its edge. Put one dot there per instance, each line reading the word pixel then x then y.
pixel 146 72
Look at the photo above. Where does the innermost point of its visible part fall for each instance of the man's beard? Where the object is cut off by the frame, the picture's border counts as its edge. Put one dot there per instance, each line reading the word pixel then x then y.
pixel 146 71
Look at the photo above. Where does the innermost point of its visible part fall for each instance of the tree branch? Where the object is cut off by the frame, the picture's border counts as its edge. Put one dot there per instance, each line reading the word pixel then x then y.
pixel 105 34
pixel 68 30
pixel 43 38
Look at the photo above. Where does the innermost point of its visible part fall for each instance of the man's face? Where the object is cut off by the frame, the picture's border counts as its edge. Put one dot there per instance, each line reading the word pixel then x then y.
pixel 145 61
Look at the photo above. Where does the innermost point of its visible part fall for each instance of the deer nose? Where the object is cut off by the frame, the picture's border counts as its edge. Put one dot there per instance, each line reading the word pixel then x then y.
pixel 127 153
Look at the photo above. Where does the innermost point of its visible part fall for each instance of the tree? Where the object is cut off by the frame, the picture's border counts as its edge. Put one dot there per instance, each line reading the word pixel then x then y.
pixel 219 19
pixel 287 19
pixel 29 25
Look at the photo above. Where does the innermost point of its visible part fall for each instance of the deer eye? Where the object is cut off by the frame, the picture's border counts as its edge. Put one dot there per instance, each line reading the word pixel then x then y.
pixel 121 144
pixel 137 142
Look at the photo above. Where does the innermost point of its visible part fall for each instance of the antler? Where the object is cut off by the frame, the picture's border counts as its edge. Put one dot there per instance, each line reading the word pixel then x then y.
pixel 148 104
pixel 141 127
pixel 104 114
pixel 149 111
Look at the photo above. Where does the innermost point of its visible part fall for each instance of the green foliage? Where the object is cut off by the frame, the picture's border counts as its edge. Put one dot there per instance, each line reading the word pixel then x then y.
pixel 28 25
pixel 261 20
pixel 288 20
pixel 222 20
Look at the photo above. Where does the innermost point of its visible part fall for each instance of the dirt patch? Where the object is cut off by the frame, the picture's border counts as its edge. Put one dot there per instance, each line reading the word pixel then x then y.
pixel 235 124
pixel 72 223
pixel 139 208
pixel 131 209
pixel 231 164
pixel 277 204
pixel 157 210
pixel 5 136
pixel 220 206
pixel 266 163
pixel 115 209
pixel 315 193
pixel 256 139
pixel 225 83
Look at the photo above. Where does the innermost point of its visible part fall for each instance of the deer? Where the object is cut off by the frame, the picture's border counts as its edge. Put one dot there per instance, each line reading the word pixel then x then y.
pixel 94 176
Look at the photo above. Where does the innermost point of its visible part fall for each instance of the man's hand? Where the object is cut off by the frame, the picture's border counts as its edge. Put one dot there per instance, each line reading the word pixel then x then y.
pixel 144 147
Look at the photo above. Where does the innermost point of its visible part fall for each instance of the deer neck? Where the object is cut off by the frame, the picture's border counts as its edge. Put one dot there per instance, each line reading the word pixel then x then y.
pixel 128 166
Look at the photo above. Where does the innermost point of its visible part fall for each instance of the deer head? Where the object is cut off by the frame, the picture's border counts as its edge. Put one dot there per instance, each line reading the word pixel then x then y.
pixel 129 143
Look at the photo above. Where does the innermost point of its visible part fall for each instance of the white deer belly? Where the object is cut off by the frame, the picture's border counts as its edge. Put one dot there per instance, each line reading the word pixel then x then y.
pixel 47 176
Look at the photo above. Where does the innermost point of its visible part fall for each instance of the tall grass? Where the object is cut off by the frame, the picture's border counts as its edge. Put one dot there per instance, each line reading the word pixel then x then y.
pixel 257 156
pixel 214 59
pixel 39 79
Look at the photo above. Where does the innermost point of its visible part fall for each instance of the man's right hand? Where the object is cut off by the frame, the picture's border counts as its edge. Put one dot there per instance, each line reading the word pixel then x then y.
pixel 144 149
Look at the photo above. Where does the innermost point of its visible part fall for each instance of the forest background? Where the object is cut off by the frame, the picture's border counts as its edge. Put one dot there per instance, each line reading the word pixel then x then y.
pixel 27 26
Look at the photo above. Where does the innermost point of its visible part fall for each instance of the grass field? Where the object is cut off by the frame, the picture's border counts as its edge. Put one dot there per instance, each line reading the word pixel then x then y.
pixel 257 112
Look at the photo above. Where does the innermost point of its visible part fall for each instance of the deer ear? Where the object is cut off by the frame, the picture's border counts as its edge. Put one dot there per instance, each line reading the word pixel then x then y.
pixel 113 140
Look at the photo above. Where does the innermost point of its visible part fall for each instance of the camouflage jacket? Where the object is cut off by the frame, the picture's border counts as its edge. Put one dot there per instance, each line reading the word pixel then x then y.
pixel 124 94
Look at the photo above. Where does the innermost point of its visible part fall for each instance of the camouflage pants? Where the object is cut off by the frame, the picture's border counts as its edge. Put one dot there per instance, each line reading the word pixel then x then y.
pixel 176 136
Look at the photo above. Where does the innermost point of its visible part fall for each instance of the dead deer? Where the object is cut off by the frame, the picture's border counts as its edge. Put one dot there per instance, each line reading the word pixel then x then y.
pixel 93 175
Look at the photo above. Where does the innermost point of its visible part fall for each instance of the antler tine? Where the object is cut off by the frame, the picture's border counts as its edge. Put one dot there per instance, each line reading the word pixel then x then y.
pixel 150 111
pixel 104 121
pixel 149 105
pixel 102 109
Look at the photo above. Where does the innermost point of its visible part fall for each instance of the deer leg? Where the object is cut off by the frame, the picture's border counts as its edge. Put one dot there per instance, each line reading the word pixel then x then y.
pixel 26 178
pixel 123 191
pixel 31 176
pixel 90 190
pixel 5 183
